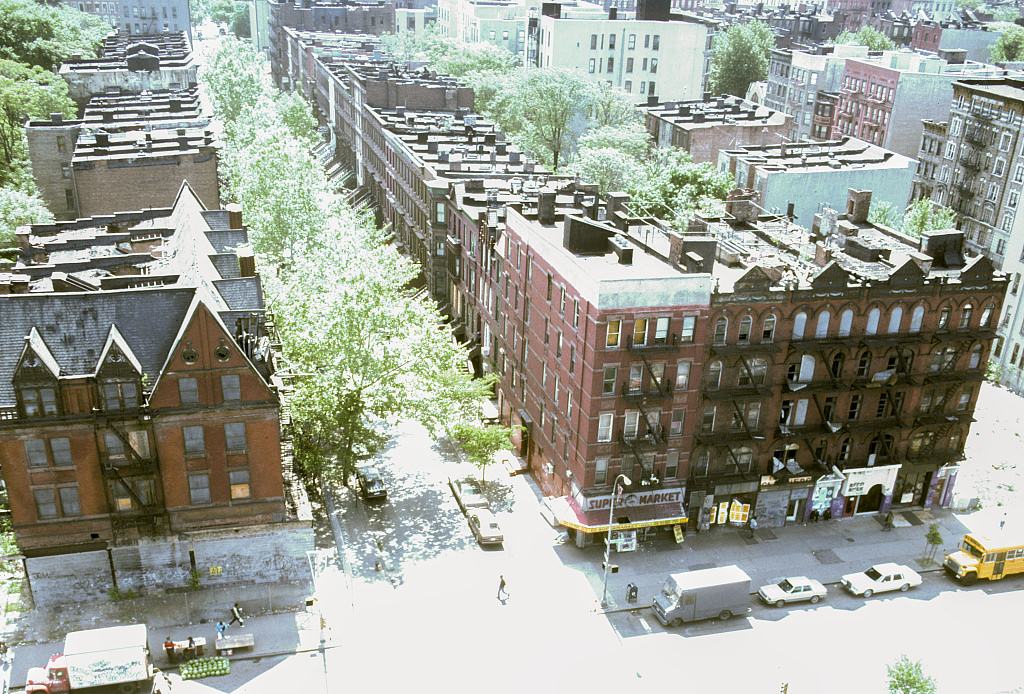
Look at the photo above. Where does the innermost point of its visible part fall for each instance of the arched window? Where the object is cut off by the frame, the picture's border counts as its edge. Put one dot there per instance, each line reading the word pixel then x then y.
pixel 918 442
pixel 864 365
pixel 721 327
pixel 944 317
pixel 768 331
pixel 745 325
pixel 838 361
pixel 901 360
pixel 758 367
pixel 942 359
pixel 844 451
pixel 916 318
pixel 976 352
pixel 799 323
pixel 873 317
pixel 895 318
pixel 821 331
pixel 955 442
pixel 845 322
pixel 986 315
pixel 743 457
pixel 714 375
pixel 806 368
pixel 965 316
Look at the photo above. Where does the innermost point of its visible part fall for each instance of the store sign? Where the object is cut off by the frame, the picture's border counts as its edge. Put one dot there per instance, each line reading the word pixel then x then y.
pixel 667 496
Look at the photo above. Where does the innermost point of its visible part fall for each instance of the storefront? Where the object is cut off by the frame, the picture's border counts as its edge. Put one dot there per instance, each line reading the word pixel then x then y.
pixel 728 504
pixel 636 516
pixel 783 501
pixel 868 490
pixel 826 500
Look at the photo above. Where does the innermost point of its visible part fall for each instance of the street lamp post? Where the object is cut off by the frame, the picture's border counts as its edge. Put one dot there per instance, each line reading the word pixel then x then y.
pixel 608 539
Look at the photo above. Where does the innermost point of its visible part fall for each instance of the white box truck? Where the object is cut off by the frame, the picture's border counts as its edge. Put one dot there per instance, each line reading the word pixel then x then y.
pixel 687 597
pixel 97 661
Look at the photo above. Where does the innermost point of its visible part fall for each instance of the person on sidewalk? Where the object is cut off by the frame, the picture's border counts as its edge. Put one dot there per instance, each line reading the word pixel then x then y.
pixel 169 650
pixel 888 522
pixel 221 628
pixel 501 587
pixel 236 616
pixel 753 525
pixel 190 650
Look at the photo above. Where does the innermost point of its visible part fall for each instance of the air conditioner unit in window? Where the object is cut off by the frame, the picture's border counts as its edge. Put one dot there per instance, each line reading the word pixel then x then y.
pixel 549 469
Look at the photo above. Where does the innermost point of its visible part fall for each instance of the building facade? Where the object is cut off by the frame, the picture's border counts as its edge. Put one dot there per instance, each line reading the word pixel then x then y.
pixel 135 17
pixel 342 16
pixel 500 24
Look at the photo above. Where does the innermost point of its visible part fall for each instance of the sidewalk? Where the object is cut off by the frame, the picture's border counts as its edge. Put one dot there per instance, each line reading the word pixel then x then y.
pixel 275 615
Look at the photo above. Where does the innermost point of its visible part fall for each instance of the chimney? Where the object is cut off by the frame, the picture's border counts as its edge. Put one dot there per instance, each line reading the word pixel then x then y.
pixel 789 211
pixel 246 262
pixel 234 211
pixel 102 139
pixel 613 13
pixel 56 118
pixel 621 248
pixel 546 206
pixel 858 205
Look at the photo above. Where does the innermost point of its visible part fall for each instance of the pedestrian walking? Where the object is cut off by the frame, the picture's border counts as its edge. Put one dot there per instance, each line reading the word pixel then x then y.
pixel 501 587
pixel 888 521
pixel 236 616
pixel 221 628
pixel 753 525
pixel 1002 522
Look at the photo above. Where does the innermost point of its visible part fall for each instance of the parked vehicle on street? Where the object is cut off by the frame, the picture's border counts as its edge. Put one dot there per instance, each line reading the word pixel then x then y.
pixel 100 661
pixel 468 493
pixel 485 527
pixel 718 592
pixel 371 484
pixel 792 589
pixel 881 578
pixel 985 557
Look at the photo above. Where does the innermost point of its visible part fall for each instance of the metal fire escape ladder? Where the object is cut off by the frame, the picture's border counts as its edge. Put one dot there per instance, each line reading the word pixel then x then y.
pixel 133 455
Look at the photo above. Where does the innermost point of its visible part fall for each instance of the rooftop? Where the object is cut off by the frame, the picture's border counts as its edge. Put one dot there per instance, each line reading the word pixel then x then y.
pixel 138 144
pixel 808 157
pixel 708 112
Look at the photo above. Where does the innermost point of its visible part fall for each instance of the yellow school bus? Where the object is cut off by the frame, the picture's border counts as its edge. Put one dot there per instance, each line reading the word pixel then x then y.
pixel 986 557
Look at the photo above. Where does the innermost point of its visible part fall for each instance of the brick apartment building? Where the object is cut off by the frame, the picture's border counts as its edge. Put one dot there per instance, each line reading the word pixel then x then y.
pixel 340 16
pixel 704 127
pixel 140 435
pixel 140 16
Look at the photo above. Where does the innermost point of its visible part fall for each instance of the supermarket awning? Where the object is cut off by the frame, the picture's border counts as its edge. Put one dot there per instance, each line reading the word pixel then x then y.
pixel 568 513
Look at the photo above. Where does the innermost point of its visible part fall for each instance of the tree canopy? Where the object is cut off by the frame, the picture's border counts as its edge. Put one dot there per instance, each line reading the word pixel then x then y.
pixel 240 21
pixel 907 677
pixel 18 208
pixel 924 215
pixel 867 36
pixel 1010 44
pixel 740 56
pixel 44 35
pixel 447 56
pixel 671 186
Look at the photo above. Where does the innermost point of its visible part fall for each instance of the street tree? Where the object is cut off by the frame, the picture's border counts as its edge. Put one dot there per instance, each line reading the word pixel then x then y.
pixel 907 677
pixel 44 35
pixel 867 36
pixel 240 21
pixel 740 56
pixel 25 92
pixel 924 215
pixel 480 443
pixel 1010 44
pixel 612 157
pixel 1005 14
pixel 235 80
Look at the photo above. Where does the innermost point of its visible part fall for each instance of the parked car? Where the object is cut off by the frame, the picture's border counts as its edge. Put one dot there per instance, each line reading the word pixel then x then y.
pixel 485 527
pixel 467 493
pixel 371 484
pixel 792 589
pixel 880 578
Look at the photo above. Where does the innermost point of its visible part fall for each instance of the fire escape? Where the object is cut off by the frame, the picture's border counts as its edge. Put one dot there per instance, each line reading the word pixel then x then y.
pixel 635 443
pixel 977 134
pixel 147 517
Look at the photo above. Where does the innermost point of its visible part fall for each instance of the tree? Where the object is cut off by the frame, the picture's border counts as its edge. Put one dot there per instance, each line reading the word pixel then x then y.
pixel 969 4
pixel 924 215
pixel 25 92
pixel 612 107
pixel 611 157
pixel 672 187
pixel 885 214
pixel 481 442
pixel 42 35
pixel 867 36
pixel 907 677
pixel 1005 14
pixel 933 539
pixel 235 78
pixel 1010 44
pixel 240 21
pixel 221 11
pixel 18 208
pixel 740 57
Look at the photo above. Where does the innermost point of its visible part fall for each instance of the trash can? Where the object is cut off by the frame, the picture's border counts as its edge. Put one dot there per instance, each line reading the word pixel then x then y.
pixel 631 591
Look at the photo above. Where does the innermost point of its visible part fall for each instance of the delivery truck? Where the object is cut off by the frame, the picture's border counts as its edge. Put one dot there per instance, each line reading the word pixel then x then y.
pixel 100 661
pixel 687 597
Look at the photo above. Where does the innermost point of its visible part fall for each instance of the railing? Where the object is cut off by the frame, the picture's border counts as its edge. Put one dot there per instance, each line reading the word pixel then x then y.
pixel 655 436
pixel 667 344
pixel 663 390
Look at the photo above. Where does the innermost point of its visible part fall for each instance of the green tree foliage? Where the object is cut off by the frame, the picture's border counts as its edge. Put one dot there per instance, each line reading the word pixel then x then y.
pixel 25 93
pixel 18 208
pixel 907 677
pixel 482 442
pixel 884 213
pixel 924 215
pixel 235 78
pixel 672 187
pixel 612 157
pixel 1005 14
pixel 740 57
pixel 1010 45
pixel 44 35
pixel 969 4
pixel 612 107
pixel 867 36
pixel 221 11
pixel 240 21
pixel 447 56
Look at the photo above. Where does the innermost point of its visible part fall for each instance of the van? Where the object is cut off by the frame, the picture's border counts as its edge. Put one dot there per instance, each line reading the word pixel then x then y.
pixel 687 597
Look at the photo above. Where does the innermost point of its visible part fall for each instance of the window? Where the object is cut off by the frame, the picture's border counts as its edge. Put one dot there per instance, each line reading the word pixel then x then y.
pixel 640 332
pixel 916 318
pixel 636 374
pixel 895 319
pixel 855 403
pixel 601 471
pixel 926 403
pixel 199 488
pixel 439 216
pixel 69 198
pixel 115 448
pixel 944 317
pixel 721 327
pixel 631 42
pixel 654 64
pixel 976 352
pixel 229 387
pixel 683 375
pixel 604 427
pixel 676 427
pixel 799 323
pixel 647 40
pixel 576 313
pixel 874 315
pixel 46 503
pixel 611 41
pixel 757 369
pixel 65 170
pixel 629 65
pixel 610 376
pixel 493 34
pixel 686 334
pixel 745 325
pixel 572 359
pixel 965 399
pixel 69 503
pixel 120 395
pixel 656 42
pixel 768 329
pixel 986 314
pixel 942 359
pixel 714 375
pixel 671 465
pixel 35 453
pixel 650 88
pixel 60 449
pixel 234 436
pixel 883 405
pixel 188 391
pixel 558 345
pixel 239 481
pixel 592 65
pixel 628 87
pixel 632 424
pixel 62 143
pixel 611 64
pixel 708 420
pixel 593 43
pixel 821 331
pixel 195 444
pixel 614 328
pixel 661 331
pixel 965 316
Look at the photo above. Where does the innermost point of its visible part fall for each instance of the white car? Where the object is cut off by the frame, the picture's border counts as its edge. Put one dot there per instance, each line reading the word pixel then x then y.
pixel 880 578
pixel 485 526
pixel 792 589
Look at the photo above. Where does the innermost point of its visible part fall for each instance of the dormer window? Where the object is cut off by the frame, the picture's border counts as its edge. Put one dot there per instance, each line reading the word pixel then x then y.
pixel 38 401
pixel 120 395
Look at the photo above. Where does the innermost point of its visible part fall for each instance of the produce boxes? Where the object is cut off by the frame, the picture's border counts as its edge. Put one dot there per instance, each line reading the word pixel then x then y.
pixel 205 667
